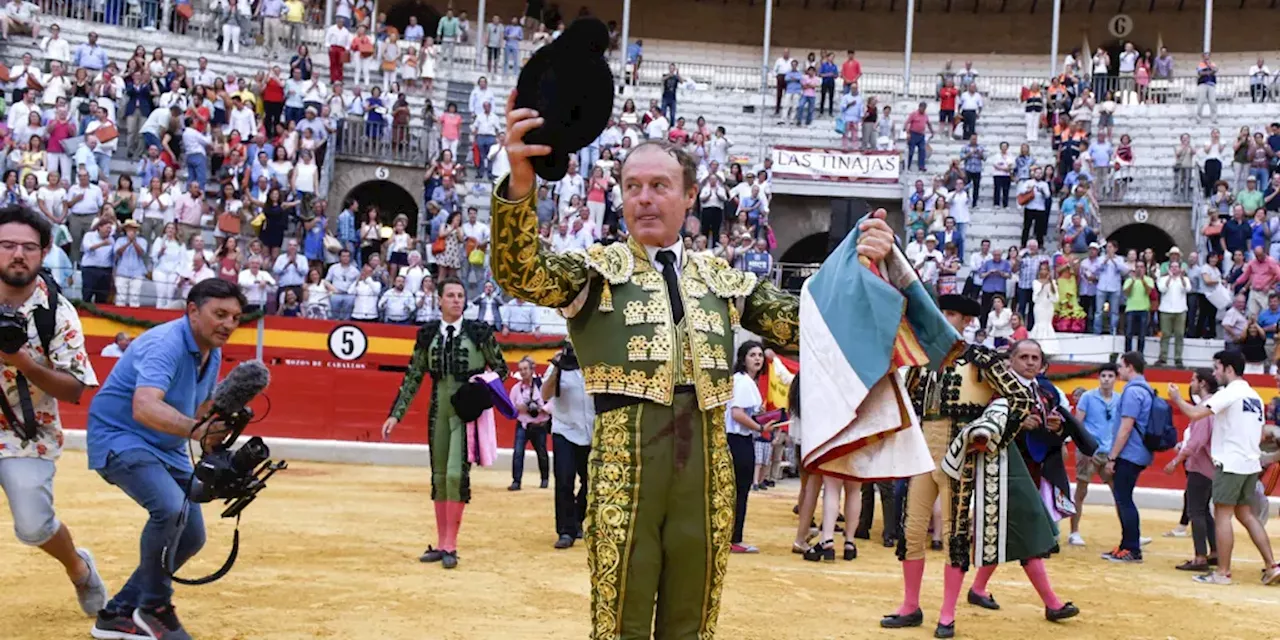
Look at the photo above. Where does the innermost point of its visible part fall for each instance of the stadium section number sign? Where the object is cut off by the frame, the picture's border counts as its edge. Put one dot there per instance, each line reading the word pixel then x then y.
pixel 1120 25
pixel 348 342
pixel 834 164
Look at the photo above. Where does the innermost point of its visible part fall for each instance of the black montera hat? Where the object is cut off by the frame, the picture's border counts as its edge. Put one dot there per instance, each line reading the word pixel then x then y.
pixel 960 304
pixel 570 85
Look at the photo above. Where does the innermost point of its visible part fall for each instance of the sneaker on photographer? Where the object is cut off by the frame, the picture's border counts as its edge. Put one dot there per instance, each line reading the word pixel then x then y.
pixel 161 622
pixel 1075 540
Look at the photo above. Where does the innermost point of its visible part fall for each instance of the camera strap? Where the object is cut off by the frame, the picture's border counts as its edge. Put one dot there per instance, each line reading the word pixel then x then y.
pixel 27 426
pixel 171 552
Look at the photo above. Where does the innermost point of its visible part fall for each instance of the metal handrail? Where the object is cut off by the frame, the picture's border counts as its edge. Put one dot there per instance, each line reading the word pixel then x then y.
pixel 385 142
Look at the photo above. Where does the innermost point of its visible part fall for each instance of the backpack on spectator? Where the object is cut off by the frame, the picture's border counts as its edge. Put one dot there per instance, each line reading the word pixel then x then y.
pixel 1159 434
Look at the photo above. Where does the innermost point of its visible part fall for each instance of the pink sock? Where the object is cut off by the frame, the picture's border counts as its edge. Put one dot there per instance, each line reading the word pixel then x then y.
pixel 912 576
pixel 442 522
pixel 952 580
pixel 454 517
pixel 980 581
pixel 1040 580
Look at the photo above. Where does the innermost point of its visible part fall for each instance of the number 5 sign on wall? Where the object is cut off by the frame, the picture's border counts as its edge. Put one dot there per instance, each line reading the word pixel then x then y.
pixel 348 342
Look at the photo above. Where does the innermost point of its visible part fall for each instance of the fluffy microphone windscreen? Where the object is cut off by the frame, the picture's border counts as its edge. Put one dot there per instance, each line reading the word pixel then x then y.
pixel 241 386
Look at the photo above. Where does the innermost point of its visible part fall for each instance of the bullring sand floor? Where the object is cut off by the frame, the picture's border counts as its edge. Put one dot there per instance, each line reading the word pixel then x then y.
pixel 330 551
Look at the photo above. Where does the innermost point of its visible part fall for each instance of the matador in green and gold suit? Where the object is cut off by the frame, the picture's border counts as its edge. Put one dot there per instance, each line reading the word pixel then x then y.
pixel 661 488
pixel 451 353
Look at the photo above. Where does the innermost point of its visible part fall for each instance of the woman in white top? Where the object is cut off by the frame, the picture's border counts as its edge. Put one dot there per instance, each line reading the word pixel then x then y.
pixel 742 429
pixel 281 169
pixel 428 302
pixel 306 174
pixel 999 322
pixel 167 256
pixel 427 58
pixel 1044 296
pixel 1002 168
pixel 1216 155
pixel 1173 287
pixel 155 207
pixel 315 296
pixel 399 246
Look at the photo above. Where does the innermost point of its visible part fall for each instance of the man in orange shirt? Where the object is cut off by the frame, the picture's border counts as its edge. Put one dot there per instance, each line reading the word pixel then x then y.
pixel 947 104
pixel 917 123
pixel 850 71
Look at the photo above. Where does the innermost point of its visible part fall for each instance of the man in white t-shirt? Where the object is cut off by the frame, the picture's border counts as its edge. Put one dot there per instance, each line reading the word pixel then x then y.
pixel 1238 416
pixel 780 69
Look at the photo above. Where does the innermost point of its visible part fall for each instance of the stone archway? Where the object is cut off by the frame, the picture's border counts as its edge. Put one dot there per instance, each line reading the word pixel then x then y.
pixel 391 200
pixel 1142 236
pixel 348 175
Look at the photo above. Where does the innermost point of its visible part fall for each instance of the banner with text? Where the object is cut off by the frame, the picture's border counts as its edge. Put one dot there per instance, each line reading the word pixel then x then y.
pixel 834 164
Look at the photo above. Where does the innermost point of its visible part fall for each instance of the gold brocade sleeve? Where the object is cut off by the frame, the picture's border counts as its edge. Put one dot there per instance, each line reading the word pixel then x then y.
pixel 774 315
pixel 996 372
pixel 520 265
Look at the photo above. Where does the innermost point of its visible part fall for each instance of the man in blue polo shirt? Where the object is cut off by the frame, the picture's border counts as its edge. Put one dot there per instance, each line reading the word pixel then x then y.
pixel 1129 456
pixel 140 424
pixel 1098 410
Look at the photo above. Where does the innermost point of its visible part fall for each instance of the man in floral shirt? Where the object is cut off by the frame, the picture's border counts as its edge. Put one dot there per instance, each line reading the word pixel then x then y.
pixel 30 430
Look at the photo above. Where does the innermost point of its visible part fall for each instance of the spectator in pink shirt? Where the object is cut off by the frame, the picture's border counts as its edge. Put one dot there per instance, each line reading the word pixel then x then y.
pixel 533 423
pixel 1194 455
pixel 450 127
pixel 808 96
pixel 916 125
pixel 1262 273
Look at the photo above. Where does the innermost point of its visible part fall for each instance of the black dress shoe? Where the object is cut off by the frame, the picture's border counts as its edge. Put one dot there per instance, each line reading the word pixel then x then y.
pixel 936 545
pixel 890 542
pixel 431 555
pixel 862 535
pixel 986 602
pixel 515 486
pixel 895 621
pixel 544 484
pixel 450 559
pixel 1067 610
pixel 945 630
pixel 565 541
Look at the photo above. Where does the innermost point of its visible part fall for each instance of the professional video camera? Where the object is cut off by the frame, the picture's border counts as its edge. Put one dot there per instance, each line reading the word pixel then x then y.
pixel 234 475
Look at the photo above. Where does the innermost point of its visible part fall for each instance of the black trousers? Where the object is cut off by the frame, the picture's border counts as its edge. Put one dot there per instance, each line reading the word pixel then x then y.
pixel 1038 219
pixel 535 434
pixel 744 467
pixel 974 179
pixel 1088 303
pixel 887 507
pixel 1206 316
pixel 970 119
pixel 782 88
pixel 827 98
pixel 712 219
pixel 987 297
pixel 571 505
pixel 96 287
pixel 1002 190
pixel 1200 513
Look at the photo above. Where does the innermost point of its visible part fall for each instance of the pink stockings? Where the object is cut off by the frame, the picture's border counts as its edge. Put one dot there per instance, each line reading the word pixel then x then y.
pixel 448 521
pixel 1036 573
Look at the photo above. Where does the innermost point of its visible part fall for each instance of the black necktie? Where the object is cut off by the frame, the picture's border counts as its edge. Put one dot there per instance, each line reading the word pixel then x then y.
pixel 448 345
pixel 668 260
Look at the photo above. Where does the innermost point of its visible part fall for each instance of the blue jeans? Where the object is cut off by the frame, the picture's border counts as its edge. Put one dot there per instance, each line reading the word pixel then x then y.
pixel 341 304
pixel 669 108
pixel 1113 298
pixel 294 114
pixel 150 140
pixel 485 143
pixel 1262 175
pixel 1126 478
pixel 587 157
pixel 198 168
pixel 915 143
pixel 962 232
pixel 161 490
pixel 1022 306
pixel 804 112
pixel 1135 326
pixel 104 165
pixel 510 59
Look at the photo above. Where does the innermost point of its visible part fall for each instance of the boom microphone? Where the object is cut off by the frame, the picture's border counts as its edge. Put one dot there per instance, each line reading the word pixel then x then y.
pixel 240 387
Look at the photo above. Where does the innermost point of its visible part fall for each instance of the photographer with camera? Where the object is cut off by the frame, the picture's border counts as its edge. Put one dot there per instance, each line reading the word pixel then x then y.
pixel 564 396
pixel 44 360
pixel 531 423
pixel 139 427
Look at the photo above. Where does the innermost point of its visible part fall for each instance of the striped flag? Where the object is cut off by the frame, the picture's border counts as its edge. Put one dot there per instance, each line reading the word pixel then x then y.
pixel 778 391
pixel 858 324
